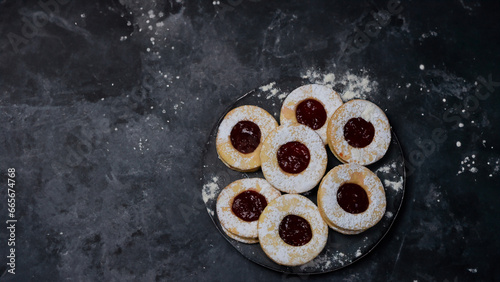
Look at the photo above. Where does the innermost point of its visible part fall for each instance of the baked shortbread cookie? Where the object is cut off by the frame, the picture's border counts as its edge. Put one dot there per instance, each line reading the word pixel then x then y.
pixel 311 105
pixel 351 199
pixel 291 230
pixel 359 132
pixel 293 158
pixel 240 205
pixel 239 238
pixel 240 136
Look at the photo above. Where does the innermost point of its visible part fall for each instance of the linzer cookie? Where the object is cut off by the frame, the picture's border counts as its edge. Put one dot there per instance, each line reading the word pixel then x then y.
pixel 240 136
pixel 311 105
pixel 293 158
pixel 359 132
pixel 291 230
pixel 240 205
pixel 351 199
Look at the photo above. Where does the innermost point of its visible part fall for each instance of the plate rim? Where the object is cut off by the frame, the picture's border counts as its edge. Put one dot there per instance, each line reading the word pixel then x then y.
pixel 206 148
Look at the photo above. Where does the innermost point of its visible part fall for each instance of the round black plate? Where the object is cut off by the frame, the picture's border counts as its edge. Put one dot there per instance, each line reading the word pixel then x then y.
pixel 341 250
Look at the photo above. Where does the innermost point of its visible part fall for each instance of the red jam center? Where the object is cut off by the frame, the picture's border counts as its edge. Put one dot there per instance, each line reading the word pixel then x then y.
pixel 352 198
pixel 245 136
pixel 358 132
pixel 248 205
pixel 295 230
pixel 293 157
pixel 311 113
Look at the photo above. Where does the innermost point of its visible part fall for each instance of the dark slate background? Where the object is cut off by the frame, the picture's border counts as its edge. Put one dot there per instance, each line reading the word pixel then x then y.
pixel 106 106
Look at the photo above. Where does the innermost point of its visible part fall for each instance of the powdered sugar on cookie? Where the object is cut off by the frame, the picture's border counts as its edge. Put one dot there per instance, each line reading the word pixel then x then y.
pixel 369 112
pixel 287 182
pixel 269 237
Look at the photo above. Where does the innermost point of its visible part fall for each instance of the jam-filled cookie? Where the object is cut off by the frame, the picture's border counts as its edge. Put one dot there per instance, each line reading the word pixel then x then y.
pixel 359 132
pixel 240 205
pixel 293 158
pixel 239 238
pixel 291 230
pixel 351 198
pixel 311 105
pixel 240 136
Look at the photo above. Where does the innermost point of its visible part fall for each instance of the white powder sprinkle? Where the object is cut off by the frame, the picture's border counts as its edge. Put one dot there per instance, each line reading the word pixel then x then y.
pixel 358 253
pixel 268 86
pixel 422 67
pixel 472 270
pixel 210 190
pixel 459 144
pixel 394 185
pixel 273 91
pixel 384 169
pixel 355 86
pixel 468 164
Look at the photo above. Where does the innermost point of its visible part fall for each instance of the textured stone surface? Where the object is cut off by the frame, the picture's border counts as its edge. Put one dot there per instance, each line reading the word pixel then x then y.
pixel 106 106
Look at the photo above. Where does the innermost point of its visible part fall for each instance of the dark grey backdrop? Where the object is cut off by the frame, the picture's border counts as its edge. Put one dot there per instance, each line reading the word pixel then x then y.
pixel 106 106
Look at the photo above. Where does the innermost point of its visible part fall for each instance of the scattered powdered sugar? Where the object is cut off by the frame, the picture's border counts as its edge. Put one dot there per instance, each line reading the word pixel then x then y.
pixel 320 78
pixel 354 86
pixel 273 91
pixel 495 164
pixel 472 270
pixel 268 87
pixel 357 87
pixel 431 33
pixel 386 168
pixel 323 261
pixel 394 185
pixel 389 214
pixel 210 192
pixel 358 253
pixel 468 164
pixel 340 257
